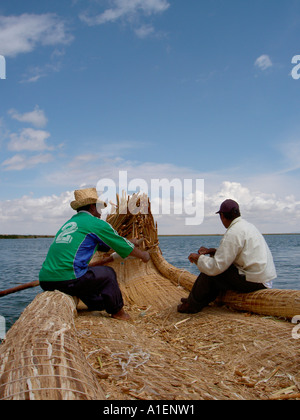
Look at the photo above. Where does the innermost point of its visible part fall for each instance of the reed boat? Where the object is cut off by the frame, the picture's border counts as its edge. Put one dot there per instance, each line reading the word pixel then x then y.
pixel 243 346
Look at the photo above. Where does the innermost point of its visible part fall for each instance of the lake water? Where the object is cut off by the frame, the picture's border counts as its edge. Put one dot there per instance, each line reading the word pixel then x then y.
pixel 21 260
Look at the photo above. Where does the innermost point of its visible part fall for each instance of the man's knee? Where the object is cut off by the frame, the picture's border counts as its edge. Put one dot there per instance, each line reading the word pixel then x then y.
pixel 110 272
pixel 104 273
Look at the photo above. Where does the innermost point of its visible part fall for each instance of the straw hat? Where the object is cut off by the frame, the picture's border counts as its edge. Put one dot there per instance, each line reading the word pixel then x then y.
pixel 86 196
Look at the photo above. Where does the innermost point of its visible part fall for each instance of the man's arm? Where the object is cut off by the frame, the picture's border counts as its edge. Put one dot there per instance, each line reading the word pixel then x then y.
pixel 207 251
pixel 104 261
pixel 201 251
pixel 138 253
pixel 224 256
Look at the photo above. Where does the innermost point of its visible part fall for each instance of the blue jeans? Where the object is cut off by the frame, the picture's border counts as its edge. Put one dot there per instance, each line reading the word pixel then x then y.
pixel 98 289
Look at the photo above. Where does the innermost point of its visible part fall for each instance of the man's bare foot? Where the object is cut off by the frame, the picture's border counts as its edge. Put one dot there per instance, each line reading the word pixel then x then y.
pixel 122 315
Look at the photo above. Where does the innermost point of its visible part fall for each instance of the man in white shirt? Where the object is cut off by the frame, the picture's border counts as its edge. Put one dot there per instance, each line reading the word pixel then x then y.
pixel 243 262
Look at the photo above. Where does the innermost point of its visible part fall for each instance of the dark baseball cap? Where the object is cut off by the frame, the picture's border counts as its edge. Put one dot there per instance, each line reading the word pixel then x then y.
pixel 227 206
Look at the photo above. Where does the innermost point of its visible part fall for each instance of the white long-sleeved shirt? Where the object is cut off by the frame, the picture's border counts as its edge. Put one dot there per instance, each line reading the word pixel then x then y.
pixel 245 247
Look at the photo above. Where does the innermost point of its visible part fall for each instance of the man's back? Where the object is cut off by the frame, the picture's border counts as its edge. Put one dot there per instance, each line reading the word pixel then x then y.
pixel 75 244
pixel 253 256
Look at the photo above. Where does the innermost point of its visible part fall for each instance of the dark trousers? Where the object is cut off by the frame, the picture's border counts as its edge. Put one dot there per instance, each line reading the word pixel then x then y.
pixel 207 288
pixel 98 289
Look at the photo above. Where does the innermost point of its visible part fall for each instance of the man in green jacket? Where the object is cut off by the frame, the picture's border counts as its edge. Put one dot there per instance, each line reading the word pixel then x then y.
pixel 66 267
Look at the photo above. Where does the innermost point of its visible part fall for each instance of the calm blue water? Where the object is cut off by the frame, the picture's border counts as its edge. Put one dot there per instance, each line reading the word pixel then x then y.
pixel 21 260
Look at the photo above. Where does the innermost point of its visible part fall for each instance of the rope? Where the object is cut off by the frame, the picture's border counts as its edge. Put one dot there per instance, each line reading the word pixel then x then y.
pixel 182 271
pixel 131 360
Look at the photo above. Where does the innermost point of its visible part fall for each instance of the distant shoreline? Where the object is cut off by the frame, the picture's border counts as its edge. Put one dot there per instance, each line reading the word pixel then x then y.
pixel 222 234
pixel 15 236
pixel 25 236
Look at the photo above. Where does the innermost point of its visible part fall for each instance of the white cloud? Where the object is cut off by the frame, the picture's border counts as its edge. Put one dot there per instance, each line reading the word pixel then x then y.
pixel 269 212
pixel 36 117
pixel 84 159
pixel 36 215
pixel 29 139
pixel 22 34
pixel 263 62
pixel 35 73
pixel 21 162
pixel 130 11
pixel 127 9
pixel 144 31
pixel 272 207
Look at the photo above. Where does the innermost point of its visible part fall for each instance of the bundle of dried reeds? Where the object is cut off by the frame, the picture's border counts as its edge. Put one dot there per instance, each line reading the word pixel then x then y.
pixel 142 285
pixel 272 302
pixel 41 358
pixel 132 218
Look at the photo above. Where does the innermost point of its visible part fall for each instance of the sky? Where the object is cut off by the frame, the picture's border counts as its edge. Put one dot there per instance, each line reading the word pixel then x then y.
pixel 159 90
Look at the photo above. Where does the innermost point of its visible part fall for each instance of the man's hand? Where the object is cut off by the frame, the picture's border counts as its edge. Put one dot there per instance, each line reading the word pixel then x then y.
pixel 206 251
pixel 146 256
pixel 138 253
pixel 194 258
pixel 137 242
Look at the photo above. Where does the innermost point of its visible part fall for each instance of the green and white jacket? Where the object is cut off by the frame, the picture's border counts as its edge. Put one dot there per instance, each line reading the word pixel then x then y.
pixel 75 244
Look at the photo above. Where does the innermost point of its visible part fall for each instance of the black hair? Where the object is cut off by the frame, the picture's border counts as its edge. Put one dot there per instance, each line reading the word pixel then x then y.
pixel 232 214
